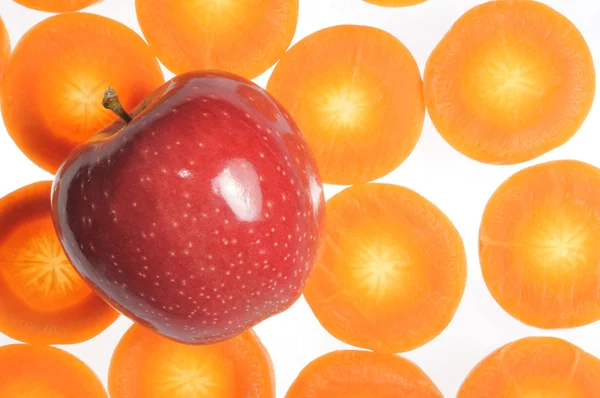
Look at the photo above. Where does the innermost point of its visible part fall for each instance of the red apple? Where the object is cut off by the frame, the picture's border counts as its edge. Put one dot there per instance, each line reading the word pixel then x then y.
pixel 199 218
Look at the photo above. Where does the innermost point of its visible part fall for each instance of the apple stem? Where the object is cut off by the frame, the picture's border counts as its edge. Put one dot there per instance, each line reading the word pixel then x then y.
pixel 111 102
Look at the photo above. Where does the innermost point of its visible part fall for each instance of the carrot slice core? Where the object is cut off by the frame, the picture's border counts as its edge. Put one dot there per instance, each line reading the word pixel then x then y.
pixel 43 299
pixel 50 110
pixel 501 90
pixel 392 272
pixel 147 365
pixel 357 96
pixel 244 37
pixel 539 244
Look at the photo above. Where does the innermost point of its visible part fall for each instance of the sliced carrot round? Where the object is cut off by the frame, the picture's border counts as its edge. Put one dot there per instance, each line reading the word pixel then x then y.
pixel 45 372
pixel 395 3
pixel 55 78
pixel 392 271
pixel 357 95
pixel 43 300
pixel 245 37
pixel 509 82
pixel 535 367
pixel 358 374
pixel 57 5
pixel 4 46
pixel 539 244
pixel 147 365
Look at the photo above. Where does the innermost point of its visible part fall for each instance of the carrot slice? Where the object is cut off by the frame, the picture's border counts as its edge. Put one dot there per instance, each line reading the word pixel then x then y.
pixel 4 46
pixel 534 367
pixel 147 365
pixel 342 374
pixel 395 3
pixel 392 271
pixel 539 244
pixel 357 95
pixel 42 298
pixel 45 372
pixel 509 82
pixel 245 37
pixel 57 5
pixel 49 110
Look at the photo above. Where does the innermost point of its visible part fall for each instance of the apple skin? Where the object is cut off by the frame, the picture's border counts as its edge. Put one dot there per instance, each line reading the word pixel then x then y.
pixel 200 218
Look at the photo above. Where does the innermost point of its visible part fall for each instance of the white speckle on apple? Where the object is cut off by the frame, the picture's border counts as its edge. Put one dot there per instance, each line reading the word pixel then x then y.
pixel 184 173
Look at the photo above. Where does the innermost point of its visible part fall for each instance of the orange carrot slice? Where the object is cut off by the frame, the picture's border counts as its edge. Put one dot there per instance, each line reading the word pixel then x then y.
pixel 343 374
pixel 357 95
pixel 509 82
pixel 539 244
pixel 57 5
pixel 392 272
pixel 534 367
pixel 395 3
pixel 42 298
pixel 244 37
pixel 147 365
pixel 4 46
pixel 55 78
pixel 45 372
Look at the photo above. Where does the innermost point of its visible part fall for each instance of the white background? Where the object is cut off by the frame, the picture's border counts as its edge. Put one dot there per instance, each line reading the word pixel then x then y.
pixel 459 186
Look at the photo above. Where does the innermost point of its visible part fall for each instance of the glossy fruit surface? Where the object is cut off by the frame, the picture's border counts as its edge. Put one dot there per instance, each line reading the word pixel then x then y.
pixel 201 217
